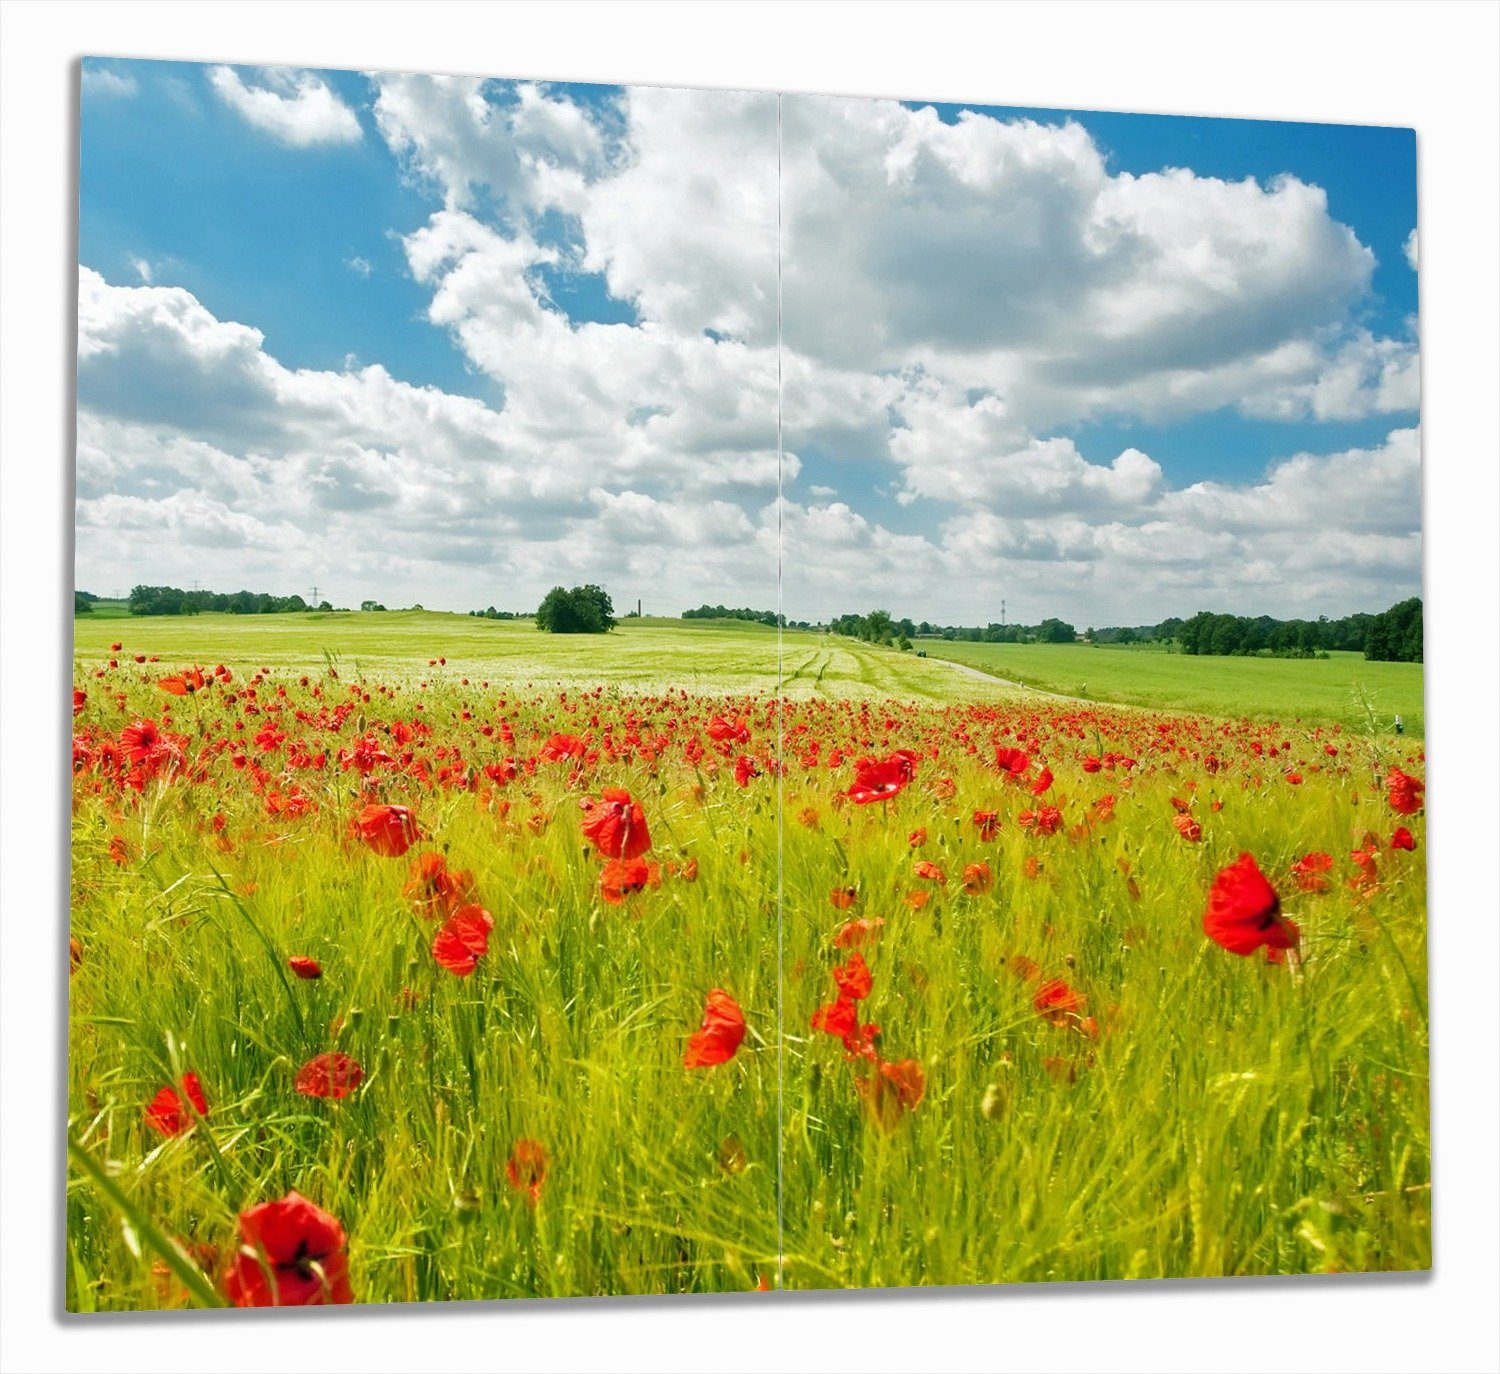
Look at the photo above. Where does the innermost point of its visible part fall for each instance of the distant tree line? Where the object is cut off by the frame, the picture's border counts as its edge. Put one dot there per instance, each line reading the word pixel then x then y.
pixel 175 601
pixel 1394 635
pixel 879 627
pixel 707 612
pixel 490 613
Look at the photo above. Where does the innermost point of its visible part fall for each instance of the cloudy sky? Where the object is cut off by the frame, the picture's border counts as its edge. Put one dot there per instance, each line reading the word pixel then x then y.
pixel 452 341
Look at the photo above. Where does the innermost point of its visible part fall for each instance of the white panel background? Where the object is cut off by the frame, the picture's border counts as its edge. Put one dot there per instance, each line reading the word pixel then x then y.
pixel 1429 65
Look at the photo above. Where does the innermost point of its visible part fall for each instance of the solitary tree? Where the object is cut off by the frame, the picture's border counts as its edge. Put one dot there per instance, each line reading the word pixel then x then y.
pixel 585 610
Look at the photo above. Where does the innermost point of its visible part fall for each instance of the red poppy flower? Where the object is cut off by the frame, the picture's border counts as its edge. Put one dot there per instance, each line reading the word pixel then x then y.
pixel 854 978
pixel 881 779
pixel 561 747
pixel 436 889
pixel 1045 820
pixel 1404 792
pixel 892 1091
pixel 1244 911
pixel 722 729
pixel 333 1075
pixel 841 1018
pixel 141 740
pixel 745 768
pixel 1366 860
pixel 304 967
pixel 621 877
pixel 80 699
pixel 1042 783
pixel 837 1018
pixel 1187 827
pixel 842 898
pixel 978 879
pixel 616 825
pixel 987 823
pixel 1055 1000
pixel 181 684
pixel 293 1255
pixel 463 940
pixel 930 872
pixel 1015 762
pixel 167 1112
pixel 909 1081
pixel 1309 870
pixel 1023 967
pixel 526 1169
pixel 719 1036
pixel 1403 839
pixel 854 933
pixel 389 830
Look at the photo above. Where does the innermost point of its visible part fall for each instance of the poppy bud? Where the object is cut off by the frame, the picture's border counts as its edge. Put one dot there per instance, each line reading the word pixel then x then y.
pixel 731 1156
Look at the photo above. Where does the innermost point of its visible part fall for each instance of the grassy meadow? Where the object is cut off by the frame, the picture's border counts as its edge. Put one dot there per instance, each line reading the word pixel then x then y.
pixel 648 655
pixel 1344 687
pixel 1068 1080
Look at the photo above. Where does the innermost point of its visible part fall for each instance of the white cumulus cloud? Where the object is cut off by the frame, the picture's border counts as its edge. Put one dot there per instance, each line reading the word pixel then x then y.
pixel 295 107
pixel 957 295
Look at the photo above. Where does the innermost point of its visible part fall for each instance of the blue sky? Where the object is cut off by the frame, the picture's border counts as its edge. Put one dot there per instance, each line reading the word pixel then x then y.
pixel 256 231
pixel 314 234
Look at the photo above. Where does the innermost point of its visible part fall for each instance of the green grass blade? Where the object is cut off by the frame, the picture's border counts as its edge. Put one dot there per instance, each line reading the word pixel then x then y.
pixel 193 1279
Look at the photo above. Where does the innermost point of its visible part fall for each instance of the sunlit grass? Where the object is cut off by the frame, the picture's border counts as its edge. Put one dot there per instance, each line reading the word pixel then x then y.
pixel 1230 1117
pixel 1344 687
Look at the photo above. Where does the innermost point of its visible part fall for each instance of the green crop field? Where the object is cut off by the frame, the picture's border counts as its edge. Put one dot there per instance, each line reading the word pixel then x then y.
pixel 1337 688
pixel 108 610
pixel 730 656
pixel 543 965
pixel 649 655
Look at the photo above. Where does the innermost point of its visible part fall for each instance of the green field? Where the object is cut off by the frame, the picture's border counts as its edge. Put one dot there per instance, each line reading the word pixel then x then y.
pixel 108 610
pixel 1336 688
pixel 1088 1087
pixel 649 655
pixel 734 656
